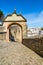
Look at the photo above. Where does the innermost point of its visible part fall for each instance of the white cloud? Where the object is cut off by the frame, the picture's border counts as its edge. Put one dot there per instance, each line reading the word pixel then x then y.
pixel 34 19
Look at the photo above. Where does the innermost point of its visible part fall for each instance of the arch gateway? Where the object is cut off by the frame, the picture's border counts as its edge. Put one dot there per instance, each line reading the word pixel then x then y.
pixel 15 27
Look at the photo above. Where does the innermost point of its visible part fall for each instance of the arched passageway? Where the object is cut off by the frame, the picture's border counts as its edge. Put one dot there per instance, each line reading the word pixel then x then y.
pixel 15 32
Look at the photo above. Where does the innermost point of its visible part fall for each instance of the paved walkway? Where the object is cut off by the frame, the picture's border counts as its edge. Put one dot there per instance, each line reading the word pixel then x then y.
pixel 17 54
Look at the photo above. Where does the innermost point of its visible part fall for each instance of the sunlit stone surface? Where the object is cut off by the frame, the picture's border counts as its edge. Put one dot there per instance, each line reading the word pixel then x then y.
pixel 17 54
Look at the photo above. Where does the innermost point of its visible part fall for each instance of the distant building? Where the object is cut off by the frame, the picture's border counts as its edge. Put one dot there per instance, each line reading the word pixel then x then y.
pixel 34 32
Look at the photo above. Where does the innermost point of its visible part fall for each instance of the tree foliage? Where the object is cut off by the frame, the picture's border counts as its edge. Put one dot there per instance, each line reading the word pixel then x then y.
pixel 1 14
pixel 41 28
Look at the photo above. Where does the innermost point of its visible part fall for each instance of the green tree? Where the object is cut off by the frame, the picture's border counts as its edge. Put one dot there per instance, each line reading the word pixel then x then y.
pixel 1 15
pixel 41 28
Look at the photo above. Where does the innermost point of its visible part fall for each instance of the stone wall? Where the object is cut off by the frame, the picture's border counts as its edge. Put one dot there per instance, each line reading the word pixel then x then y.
pixel 35 44
pixel 2 36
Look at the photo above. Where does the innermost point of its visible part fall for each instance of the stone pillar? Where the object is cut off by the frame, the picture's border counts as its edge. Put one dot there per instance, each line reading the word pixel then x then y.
pixel 24 31
pixel 7 35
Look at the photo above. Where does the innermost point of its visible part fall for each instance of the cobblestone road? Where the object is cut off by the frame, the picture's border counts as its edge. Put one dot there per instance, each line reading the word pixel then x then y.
pixel 17 54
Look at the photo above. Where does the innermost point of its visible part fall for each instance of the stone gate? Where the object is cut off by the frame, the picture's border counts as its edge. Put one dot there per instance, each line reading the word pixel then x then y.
pixel 15 27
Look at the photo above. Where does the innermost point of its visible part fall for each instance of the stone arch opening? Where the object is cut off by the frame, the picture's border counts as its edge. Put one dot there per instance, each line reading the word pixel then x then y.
pixel 15 32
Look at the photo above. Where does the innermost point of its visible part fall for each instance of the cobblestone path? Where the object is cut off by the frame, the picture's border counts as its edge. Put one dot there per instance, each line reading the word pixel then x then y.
pixel 13 53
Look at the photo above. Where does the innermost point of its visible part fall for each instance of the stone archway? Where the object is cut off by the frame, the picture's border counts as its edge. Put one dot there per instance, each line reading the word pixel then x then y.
pixel 15 32
pixel 20 21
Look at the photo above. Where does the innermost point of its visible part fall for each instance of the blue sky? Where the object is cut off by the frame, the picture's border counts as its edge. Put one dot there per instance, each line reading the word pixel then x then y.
pixel 32 10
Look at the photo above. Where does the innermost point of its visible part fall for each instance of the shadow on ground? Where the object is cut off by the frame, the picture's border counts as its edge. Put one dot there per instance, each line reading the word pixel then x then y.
pixel 35 44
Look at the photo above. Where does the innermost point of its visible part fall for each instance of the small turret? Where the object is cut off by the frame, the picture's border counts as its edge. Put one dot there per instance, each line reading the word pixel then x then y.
pixel 14 11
